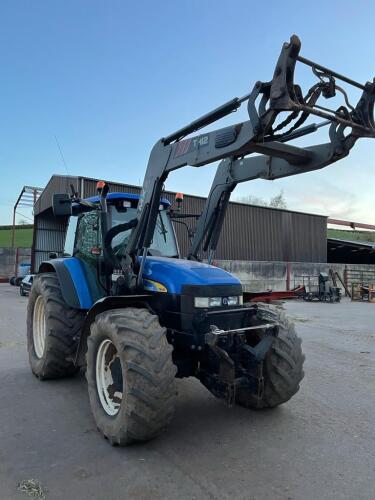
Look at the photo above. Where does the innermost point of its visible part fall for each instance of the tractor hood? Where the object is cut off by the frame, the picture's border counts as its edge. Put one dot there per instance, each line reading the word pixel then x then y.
pixel 174 273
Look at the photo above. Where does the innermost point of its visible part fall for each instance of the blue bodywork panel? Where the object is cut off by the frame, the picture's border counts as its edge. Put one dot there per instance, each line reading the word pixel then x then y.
pixel 173 273
pixel 74 283
pixel 170 273
pixel 78 276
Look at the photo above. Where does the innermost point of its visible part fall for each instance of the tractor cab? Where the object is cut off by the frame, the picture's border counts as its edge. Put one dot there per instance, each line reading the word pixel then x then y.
pixel 84 240
pixel 85 226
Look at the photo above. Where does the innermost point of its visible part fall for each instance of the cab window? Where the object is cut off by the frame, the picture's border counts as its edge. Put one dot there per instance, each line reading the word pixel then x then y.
pixel 70 236
pixel 163 242
pixel 88 240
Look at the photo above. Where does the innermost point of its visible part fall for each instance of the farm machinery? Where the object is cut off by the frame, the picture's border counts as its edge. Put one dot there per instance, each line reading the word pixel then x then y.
pixel 122 303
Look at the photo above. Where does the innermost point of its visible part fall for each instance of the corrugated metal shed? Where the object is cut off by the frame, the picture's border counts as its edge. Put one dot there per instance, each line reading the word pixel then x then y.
pixel 267 234
pixel 56 184
pixel 249 232
pixel 49 236
pixel 351 252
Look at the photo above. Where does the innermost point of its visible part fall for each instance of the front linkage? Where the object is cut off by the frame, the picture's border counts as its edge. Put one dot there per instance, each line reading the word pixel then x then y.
pixel 237 363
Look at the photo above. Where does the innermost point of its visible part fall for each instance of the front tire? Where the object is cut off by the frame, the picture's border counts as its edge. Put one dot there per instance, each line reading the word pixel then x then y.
pixel 130 375
pixel 53 330
pixel 282 367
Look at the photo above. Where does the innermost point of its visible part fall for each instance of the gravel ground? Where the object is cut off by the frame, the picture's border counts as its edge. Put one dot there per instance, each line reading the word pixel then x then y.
pixel 320 445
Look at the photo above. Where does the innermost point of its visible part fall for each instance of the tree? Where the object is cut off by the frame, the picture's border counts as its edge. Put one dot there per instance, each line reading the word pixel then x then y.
pixel 277 201
pixel 22 222
pixel 252 200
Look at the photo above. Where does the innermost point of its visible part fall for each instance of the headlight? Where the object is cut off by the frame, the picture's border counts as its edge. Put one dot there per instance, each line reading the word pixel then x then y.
pixel 214 302
pixel 205 302
pixel 235 301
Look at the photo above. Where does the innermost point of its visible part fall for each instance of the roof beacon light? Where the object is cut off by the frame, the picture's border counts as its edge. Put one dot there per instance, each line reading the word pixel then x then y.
pixel 179 197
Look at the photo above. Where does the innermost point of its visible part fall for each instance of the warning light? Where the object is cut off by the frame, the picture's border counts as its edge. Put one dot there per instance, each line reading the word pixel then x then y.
pixel 100 185
pixel 179 197
pixel 96 251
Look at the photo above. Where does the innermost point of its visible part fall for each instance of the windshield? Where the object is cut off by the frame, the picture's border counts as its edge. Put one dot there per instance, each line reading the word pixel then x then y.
pixel 163 243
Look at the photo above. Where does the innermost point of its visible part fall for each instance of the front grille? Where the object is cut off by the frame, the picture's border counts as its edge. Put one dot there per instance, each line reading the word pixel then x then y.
pixel 225 319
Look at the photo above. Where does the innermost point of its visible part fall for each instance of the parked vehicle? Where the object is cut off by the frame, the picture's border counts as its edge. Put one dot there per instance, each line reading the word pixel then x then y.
pixel 165 317
pixel 22 271
pixel 319 288
pixel 26 284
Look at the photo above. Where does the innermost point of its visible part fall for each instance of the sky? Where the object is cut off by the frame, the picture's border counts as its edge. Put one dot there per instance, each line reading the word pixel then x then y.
pixel 104 80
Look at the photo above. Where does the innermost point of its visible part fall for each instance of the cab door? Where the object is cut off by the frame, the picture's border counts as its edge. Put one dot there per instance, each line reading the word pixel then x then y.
pixel 88 249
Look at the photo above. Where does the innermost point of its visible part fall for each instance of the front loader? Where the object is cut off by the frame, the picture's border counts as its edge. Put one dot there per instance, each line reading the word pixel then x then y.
pixel 123 305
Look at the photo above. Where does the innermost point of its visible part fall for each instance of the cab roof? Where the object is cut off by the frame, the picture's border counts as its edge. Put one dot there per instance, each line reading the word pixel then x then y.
pixel 125 197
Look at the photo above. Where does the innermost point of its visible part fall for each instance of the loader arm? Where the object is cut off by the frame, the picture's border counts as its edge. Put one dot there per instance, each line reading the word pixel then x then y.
pixel 260 135
pixel 231 172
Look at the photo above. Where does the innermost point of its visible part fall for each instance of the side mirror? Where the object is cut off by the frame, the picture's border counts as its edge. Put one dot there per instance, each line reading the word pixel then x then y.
pixel 61 204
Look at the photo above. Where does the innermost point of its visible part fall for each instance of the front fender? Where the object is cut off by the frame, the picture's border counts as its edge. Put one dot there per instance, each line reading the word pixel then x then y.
pixel 72 279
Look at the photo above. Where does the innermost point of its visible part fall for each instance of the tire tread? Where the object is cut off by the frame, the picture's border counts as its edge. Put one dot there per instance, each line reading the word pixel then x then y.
pixel 64 325
pixel 149 370
pixel 283 366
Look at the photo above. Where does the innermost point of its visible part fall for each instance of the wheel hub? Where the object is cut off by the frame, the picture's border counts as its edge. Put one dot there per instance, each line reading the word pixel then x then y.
pixel 39 327
pixel 109 381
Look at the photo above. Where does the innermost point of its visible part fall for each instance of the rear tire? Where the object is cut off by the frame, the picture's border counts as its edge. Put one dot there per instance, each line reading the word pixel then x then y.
pixel 282 367
pixel 130 375
pixel 53 330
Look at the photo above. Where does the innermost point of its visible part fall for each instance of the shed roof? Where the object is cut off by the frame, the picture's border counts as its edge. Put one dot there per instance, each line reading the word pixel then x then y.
pixel 370 245
pixel 61 184
pixel 350 252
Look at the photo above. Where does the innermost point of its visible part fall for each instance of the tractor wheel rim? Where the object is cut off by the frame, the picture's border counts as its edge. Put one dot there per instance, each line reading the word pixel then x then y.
pixel 109 381
pixel 39 327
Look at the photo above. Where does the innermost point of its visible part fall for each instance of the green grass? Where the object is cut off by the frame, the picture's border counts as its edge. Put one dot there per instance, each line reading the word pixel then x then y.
pixel 24 236
pixel 352 235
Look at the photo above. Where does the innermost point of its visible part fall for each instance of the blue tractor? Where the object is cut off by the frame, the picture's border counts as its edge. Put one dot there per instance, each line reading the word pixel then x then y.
pixel 122 304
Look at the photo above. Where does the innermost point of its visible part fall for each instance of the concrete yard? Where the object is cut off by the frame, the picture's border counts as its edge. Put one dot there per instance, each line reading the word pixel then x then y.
pixel 320 445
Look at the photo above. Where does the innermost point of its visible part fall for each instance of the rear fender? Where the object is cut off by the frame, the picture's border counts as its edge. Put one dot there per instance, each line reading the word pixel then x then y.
pixel 72 279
